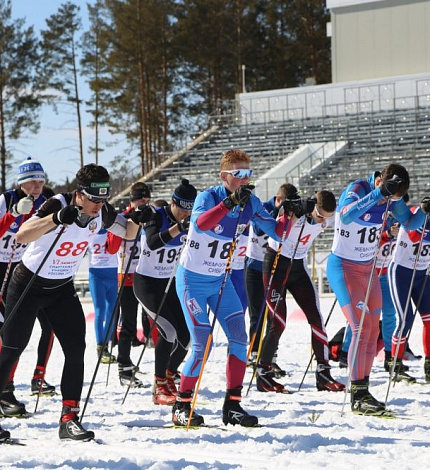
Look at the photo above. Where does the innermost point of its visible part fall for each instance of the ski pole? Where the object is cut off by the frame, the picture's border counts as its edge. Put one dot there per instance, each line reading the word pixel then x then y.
pixel 281 293
pixel 313 353
pixel 227 273
pixel 154 320
pixel 405 309
pixel 266 293
pixel 31 281
pixel 114 315
pixel 42 377
pixel 366 301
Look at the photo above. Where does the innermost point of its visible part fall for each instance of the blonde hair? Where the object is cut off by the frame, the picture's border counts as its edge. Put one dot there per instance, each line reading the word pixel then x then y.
pixel 233 156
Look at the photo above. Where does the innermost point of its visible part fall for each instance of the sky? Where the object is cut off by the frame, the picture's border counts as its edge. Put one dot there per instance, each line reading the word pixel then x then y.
pixel 304 430
pixel 56 144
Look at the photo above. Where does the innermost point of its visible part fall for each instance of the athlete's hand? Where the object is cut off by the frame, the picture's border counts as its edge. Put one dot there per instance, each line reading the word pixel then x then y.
pixel 305 207
pixel 184 224
pixel 292 204
pixel 67 215
pixel 143 214
pixel 425 205
pixel 391 186
pixel 240 197
pixel 23 206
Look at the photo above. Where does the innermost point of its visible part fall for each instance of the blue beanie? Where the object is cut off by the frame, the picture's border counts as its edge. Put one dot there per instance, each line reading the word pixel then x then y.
pixel 30 170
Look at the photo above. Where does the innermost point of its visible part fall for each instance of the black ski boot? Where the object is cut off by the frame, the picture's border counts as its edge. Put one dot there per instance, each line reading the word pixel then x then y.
pixel 362 402
pixel 182 409
pixel 399 373
pixel 233 413
pixel 10 407
pixel 125 372
pixel 70 427
pixel 279 373
pixel 4 435
pixel 427 369
pixel 389 360
pixel 266 380
pixel 325 381
pixel 343 360
pixel 47 390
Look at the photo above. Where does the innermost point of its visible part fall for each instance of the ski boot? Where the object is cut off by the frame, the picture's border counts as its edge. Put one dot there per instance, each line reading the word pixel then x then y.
pixel 161 393
pixel 10 407
pixel 266 380
pixel 233 413
pixel 427 369
pixel 279 373
pixel 325 381
pixel 127 373
pixel 171 381
pixel 182 409
pixel 388 360
pixel 38 383
pixel 70 427
pixel 362 401
pixel 399 373
pixel 107 357
pixel 4 435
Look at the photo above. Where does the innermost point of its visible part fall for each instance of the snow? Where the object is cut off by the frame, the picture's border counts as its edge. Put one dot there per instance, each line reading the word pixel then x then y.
pixel 304 430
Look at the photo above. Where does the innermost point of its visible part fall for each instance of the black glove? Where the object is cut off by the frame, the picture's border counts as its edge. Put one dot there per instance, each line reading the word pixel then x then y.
pixel 184 224
pixel 142 214
pixel 306 207
pixel 240 197
pixel 292 204
pixel 67 215
pixel 391 186
pixel 425 205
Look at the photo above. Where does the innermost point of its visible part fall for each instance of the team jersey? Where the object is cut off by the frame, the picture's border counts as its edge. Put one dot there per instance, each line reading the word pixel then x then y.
pixel 160 263
pixel 311 230
pixel 238 261
pixel 258 240
pixel 206 252
pixel 97 254
pixel 67 253
pixel 8 243
pixel 407 246
pixel 126 252
pixel 359 218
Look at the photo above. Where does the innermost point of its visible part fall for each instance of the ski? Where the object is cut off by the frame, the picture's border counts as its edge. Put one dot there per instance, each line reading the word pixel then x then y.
pixel 184 428
pixel 12 442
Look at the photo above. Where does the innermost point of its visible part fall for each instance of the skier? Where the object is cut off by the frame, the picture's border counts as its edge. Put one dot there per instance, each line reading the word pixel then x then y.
pixel 59 235
pixel 160 247
pixel 400 273
pixel 139 195
pixel 16 206
pixel 219 213
pixel 312 218
pixel 359 218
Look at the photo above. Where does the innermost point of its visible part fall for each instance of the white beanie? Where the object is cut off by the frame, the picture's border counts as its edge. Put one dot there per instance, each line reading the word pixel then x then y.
pixel 29 170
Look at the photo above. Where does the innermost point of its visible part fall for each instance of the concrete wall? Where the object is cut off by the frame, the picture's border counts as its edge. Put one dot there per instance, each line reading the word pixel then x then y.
pixel 379 39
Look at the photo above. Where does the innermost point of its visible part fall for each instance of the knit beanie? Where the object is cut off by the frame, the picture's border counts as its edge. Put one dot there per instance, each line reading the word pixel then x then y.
pixel 29 170
pixel 184 195
pixel 141 192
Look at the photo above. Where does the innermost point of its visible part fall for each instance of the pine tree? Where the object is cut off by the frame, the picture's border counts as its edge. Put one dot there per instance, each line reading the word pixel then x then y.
pixel 20 94
pixel 60 56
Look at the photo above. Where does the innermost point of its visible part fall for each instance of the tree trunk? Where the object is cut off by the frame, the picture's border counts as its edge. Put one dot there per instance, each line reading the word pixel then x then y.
pixel 78 106
pixel 3 139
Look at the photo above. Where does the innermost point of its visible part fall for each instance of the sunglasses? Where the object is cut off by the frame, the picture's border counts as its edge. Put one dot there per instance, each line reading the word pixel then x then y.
pixel 94 199
pixel 318 213
pixel 241 174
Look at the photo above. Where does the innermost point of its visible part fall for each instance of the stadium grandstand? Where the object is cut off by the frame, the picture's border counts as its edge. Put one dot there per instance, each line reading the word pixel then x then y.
pixel 377 110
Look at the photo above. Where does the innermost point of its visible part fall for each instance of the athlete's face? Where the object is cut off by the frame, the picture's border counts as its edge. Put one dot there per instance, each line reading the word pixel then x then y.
pixel 319 214
pixel 231 182
pixel 33 187
pixel 89 207
pixel 178 213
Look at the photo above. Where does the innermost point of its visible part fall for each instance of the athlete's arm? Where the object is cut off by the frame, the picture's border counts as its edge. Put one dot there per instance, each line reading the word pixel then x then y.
pixel 40 223
pixel 410 219
pixel 354 202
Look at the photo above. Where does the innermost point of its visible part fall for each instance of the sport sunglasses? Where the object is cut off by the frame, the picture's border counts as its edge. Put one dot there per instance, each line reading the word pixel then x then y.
pixel 94 199
pixel 241 174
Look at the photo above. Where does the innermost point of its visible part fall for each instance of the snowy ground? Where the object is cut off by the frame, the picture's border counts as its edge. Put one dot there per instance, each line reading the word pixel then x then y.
pixel 304 430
